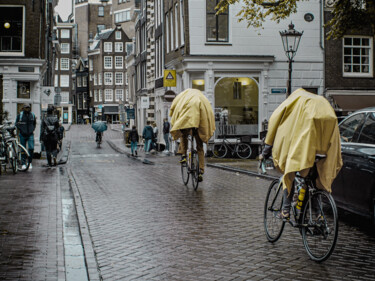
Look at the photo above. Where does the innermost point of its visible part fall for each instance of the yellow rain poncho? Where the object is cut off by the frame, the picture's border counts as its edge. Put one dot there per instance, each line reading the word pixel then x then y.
pixel 191 109
pixel 302 126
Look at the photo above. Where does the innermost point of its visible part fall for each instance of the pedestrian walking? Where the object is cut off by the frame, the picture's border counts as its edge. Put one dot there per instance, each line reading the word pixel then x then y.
pixel 148 134
pixel 166 128
pixel 155 131
pixel 134 137
pixel 49 135
pixel 26 123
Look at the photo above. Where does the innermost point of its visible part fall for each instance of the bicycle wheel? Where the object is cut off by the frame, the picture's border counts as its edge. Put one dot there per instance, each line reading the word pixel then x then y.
pixel 185 173
pixel 243 150
pixel 220 150
pixel 272 224
pixel 12 159
pixel 194 169
pixel 320 232
pixel 22 158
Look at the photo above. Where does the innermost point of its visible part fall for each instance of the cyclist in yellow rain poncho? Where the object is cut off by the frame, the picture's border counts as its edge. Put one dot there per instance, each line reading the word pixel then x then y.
pixel 303 126
pixel 191 109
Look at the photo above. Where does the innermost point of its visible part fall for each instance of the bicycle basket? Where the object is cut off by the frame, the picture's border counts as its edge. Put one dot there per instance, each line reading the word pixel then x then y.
pixel 246 139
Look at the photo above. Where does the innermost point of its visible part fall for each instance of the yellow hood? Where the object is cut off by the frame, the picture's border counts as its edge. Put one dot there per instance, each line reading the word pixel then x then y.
pixel 302 126
pixel 191 109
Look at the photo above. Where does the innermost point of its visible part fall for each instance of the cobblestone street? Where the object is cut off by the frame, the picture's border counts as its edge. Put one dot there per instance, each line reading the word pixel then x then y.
pixel 146 225
pixel 139 222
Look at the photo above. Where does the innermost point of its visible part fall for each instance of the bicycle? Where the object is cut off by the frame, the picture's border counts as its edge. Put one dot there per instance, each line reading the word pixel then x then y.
pixel 98 139
pixel 8 152
pixel 317 221
pixel 191 165
pixel 241 148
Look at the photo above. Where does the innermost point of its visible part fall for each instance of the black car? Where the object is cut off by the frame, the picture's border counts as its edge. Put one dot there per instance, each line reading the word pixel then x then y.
pixel 354 187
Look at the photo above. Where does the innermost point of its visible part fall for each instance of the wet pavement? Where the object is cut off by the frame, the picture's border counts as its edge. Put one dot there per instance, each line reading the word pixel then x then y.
pixel 139 222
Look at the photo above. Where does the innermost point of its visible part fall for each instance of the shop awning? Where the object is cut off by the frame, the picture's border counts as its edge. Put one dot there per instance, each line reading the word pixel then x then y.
pixel 352 100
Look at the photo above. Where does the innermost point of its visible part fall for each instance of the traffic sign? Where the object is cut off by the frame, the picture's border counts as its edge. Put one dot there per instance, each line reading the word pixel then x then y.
pixel 169 78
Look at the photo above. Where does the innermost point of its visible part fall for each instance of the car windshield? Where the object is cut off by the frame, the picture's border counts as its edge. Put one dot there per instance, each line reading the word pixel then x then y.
pixel 349 127
pixel 368 132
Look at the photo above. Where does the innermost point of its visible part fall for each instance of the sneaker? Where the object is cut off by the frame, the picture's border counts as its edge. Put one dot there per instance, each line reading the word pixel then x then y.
pixel 30 166
pixel 183 159
pixel 132 155
pixel 200 177
pixel 136 154
pixel 23 167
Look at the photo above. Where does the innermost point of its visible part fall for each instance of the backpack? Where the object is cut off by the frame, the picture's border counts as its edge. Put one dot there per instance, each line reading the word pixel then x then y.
pixel 50 131
pixel 32 114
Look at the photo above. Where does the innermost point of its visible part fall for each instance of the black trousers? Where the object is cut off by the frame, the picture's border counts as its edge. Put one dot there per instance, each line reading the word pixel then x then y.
pixel 51 149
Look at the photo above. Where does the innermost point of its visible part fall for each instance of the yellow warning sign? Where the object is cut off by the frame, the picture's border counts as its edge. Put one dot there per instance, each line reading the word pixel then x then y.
pixel 169 78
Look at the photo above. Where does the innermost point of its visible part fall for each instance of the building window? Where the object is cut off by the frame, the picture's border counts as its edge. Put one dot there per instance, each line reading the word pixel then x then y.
pixel 95 80
pixel 64 97
pixel 64 80
pixel 107 46
pixel 91 65
pixel 119 62
pixel 126 79
pixel 64 33
pixel 100 95
pixel 119 47
pixel 100 78
pixel 100 27
pixel 84 81
pixel 127 95
pixel 95 95
pixel 119 94
pixel 357 56
pixel 107 62
pixel 79 81
pixel 172 28
pixel 64 64
pixel 122 16
pixel 23 90
pixel 65 48
pixel 167 32
pixel 118 35
pixel 108 78
pixel 108 93
pixel 216 25
pixel 119 78
pixel 12 29
pixel 101 11
pixel 182 33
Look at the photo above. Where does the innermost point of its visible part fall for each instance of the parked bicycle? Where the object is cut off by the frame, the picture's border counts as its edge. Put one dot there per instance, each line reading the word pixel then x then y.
pixel 317 221
pixel 12 153
pixel 241 148
pixel 191 166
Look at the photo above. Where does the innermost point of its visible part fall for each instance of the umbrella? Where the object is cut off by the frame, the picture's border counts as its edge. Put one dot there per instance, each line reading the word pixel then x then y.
pixel 99 126
pixel 191 109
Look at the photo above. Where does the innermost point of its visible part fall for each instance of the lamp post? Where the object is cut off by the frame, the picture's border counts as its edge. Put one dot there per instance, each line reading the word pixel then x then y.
pixel 291 39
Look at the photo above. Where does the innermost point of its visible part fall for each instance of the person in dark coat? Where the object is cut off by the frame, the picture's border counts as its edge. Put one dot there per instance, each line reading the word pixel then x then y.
pixel 26 123
pixel 49 135
pixel 148 135
pixel 133 137
pixel 166 129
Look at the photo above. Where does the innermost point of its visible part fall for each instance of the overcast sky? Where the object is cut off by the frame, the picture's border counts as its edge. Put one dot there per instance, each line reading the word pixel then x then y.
pixel 64 9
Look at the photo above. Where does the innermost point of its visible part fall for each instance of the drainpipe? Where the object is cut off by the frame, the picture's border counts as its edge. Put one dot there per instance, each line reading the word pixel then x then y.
pixel 321 43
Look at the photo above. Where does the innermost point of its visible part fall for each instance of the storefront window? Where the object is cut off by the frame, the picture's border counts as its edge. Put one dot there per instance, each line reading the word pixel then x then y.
pixel 236 106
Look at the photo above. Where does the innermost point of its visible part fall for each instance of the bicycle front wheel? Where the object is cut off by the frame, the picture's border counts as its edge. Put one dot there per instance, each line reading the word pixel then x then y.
pixel 185 173
pixel 194 169
pixel 320 226
pixel 243 150
pixel 23 161
pixel 220 150
pixel 273 225
pixel 12 159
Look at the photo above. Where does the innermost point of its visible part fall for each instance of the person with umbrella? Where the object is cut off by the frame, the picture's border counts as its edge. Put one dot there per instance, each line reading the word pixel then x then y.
pixel 99 127
pixel 189 110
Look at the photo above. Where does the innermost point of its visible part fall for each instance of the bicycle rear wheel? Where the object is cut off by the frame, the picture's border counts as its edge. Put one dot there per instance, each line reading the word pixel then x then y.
pixel 272 224
pixel 12 159
pixel 243 150
pixel 321 219
pixel 185 173
pixel 220 150
pixel 22 159
pixel 194 169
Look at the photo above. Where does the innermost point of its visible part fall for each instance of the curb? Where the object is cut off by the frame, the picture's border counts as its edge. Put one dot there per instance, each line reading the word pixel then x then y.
pixel 242 171
pixel 120 150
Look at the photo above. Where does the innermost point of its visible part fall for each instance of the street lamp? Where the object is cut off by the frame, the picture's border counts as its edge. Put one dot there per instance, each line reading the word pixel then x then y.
pixel 291 39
